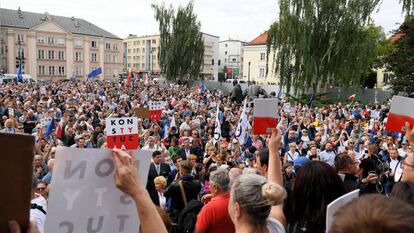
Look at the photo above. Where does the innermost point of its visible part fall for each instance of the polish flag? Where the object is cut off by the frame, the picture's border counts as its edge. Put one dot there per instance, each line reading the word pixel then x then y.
pixel 401 111
pixel 59 130
pixel 265 116
pixel 352 97
pixel 174 102
pixel 89 127
pixel 129 77
pixel 155 109
pixel 146 79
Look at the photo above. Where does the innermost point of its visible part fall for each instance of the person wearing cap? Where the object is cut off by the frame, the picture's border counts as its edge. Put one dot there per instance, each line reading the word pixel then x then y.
pixel 79 142
pixel 404 150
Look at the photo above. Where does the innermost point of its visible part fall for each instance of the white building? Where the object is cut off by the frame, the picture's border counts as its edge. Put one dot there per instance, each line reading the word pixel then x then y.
pixel 231 58
pixel 255 60
pixel 210 66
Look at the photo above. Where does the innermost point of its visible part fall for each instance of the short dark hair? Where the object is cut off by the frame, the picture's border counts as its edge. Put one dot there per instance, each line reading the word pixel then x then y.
pixel 175 158
pixel 404 191
pixel 156 153
pixel 264 157
pixel 342 161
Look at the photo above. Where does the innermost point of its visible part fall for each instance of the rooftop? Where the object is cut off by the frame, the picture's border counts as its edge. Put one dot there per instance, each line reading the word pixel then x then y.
pixel 260 40
pixel 27 20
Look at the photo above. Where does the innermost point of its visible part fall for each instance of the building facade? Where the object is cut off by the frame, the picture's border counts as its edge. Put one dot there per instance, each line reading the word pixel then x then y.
pixel 55 47
pixel 256 66
pixel 142 55
pixel 231 58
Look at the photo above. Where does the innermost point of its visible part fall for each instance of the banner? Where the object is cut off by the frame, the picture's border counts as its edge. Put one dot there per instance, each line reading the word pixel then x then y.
pixel 155 109
pixel 401 111
pixel 265 116
pixel 241 132
pixel 122 133
pixel 84 198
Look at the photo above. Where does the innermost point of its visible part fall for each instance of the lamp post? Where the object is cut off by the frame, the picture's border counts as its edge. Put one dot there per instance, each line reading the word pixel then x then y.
pixel 248 77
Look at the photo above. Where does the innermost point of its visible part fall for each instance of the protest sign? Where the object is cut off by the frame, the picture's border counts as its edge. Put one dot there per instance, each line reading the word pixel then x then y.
pixel 265 116
pixel 84 197
pixel 401 111
pixel 336 204
pixel 142 113
pixel 122 133
pixel 17 157
pixel 375 114
pixel 155 109
pixel 43 90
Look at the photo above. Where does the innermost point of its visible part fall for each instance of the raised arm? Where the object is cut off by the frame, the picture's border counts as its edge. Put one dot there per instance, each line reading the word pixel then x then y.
pixel 275 171
pixel 127 180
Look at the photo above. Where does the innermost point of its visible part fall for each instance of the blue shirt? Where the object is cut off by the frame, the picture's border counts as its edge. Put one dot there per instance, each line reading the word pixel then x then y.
pixel 47 178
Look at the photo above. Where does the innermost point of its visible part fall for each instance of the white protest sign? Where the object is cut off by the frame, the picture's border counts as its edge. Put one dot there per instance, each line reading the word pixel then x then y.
pixel 122 133
pixel 43 90
pixel 338 203
pixel 287 108
pixel 265 116
pixel 375 114
pixel 84 197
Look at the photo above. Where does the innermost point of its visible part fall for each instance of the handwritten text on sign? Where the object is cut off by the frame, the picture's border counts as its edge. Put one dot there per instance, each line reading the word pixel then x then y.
pixel 122 133
pixel 84 198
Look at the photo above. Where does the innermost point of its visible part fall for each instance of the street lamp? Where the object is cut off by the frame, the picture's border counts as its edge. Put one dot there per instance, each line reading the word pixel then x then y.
pixel 248 77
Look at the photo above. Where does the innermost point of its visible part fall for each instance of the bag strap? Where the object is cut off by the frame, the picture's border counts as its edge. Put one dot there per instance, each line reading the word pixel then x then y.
pixel 182 192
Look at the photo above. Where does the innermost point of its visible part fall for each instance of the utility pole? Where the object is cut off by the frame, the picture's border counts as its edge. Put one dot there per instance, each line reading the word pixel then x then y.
pixel 248 77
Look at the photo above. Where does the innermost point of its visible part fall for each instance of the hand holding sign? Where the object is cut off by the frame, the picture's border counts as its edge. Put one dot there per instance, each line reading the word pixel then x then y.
pixel 265 116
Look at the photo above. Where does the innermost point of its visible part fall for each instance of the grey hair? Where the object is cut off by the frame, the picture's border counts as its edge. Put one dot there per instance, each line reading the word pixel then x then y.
pixel 221 178
pixel 256 195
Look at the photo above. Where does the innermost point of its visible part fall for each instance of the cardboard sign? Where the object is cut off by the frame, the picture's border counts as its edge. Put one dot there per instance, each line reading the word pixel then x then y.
pixel 17 173
pixel 122 133
pixel 338 203
pixel 43 90
pixel 84 198
pixel 375 114
pixel 265 116
pixel 142 113
pixel 401 111
pixel 155 109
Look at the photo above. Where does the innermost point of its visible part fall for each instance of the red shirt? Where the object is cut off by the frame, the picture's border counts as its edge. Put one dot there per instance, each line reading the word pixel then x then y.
pixel 214 217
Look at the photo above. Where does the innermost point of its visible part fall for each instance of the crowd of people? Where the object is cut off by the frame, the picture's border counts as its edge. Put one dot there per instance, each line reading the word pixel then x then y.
pixel 203 182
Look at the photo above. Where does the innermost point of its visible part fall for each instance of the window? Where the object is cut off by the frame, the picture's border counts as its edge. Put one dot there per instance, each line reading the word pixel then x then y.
pixel 108 46
pixel 108 72
pixel 225 45
pixel 115 47
pixel 41 70
pixel 93 44
pixel 41 54
pixel 129 50
pixel 78 56
pixel 20 52
pixel 154 41
pixel 262 56
pixel 212 62
pixel 50 40
pixel 115 59
pixel 234 60
pixel 51 70
pixel 1 52
pixel 93 58
pixel 138 50
pixel 143 50
pixel 138 42
pixel 78 71
pixel 61 41
pixel 20 38
pixel 51 54
pixel 61 55
pixel 261 72
pixel 138 58
pixel 143 65
pixel 129 65
pixel 78 43
pixel 219 62
pixel 61 70
pixel 108 58
pixel 40 40
pixel 225 52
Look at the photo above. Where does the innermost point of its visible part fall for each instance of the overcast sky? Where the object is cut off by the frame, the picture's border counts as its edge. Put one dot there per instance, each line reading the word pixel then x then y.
pixel 236 19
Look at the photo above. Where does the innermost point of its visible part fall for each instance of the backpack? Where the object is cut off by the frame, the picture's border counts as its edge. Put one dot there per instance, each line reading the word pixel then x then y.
pixel 187 217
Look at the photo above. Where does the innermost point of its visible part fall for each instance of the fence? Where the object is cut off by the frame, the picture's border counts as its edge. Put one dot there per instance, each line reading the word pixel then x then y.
pixel 364 95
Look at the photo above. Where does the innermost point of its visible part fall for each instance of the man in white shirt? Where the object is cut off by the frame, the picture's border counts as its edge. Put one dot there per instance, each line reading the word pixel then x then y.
pixel 328 155
pixel 404 150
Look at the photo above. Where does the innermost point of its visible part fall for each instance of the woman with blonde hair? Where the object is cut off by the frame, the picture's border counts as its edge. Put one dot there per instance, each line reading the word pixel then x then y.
pixel 256 203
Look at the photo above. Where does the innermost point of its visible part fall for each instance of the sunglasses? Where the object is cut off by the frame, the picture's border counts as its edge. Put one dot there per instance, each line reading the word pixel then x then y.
pixel 40 189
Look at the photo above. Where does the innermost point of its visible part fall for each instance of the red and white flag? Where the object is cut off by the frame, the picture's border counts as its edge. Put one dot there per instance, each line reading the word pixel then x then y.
pixel 122 133
pixel 174 102
pixel 129 77
pixel 155 109
pixel 352 97
pixel 59 130
pixel 401 111
pixel 146 79
pixel 89 127
pixel 265 116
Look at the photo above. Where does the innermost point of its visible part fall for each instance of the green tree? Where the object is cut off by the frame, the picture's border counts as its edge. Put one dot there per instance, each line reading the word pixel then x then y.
pixel 401 61
pixel 181 42
pixel 316 42
pixel 408 6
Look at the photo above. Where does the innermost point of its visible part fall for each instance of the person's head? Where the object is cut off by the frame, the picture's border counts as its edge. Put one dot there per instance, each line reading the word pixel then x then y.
pixel 393 152
pixel 234 173
pixel 177 160
pixel 9 123
pixel 37 160
pixel 193 158
pixel 408 168
pixel 292 146
pixel 219 181
pixel 291 134
pixel 372 149
pixel 316 185
pixel 328 146
pixel 186 143
pixel 186 167
pixel 404 191
pixel 51 164
pixel 41 188
pixel 157 157
pixel 160 183
pixel 262 162
pixel 374 213
pixel 251 199
pixel 288 167
pixel 211 150
pixel 345 164
pixel 150 141
pixel 314 150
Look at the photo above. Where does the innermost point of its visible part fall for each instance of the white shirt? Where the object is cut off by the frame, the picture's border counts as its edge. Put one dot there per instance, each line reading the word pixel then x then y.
pixel 162 200
pixel 38 216
pixel 328 157
pixel 402 153
pixel 393 164
pixel 292 157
